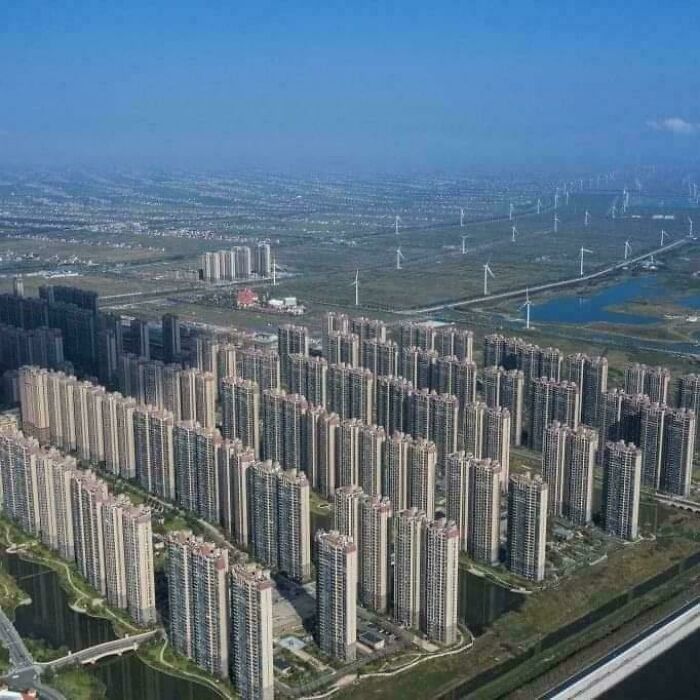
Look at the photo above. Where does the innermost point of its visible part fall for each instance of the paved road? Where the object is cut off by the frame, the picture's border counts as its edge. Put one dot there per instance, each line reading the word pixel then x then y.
pixel 99 651
pixel 23 672
pixel 570 281
pixel 595 679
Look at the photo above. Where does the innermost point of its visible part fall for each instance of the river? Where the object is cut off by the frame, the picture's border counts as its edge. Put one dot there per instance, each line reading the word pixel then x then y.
pixel 50 618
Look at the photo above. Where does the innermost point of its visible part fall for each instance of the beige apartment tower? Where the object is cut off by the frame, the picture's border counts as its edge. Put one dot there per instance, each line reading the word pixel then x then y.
pixel 336 595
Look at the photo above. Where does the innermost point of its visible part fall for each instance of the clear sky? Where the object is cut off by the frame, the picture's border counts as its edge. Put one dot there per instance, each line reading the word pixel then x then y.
pixel 354 84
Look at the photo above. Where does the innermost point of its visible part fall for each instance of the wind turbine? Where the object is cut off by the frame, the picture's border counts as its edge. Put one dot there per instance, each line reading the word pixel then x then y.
pixel 399 258
pixel 690 227
pixel 515 231
pixel 539 205
pixel 556 199
pixel 566 193
pixel 464 245
pixel 356 284
pixel 396 224
pixel 527 306
pixel 487 272
pixel 461 217
pixel 628 249
pixel 510 211
pixel 556 224
pixel 613 210
pixel 664 235
pixel 586 218
pixel 583 250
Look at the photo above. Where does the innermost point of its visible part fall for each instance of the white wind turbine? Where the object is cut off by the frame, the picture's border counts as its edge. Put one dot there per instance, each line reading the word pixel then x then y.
pixel 464 245
pixel 556 199
pixel 510 211
pixel 539 205
pixel 396 224
pixel 690 227
pixel 628 249
pixel 487 272
pixel 527 306
pixel 586 218
pixel 613 210
pixel 356 284
pixel 515 233
pixel 566 193
pixel 556 223
pixel 461 217
pixel 664 236
pixel 583 250
pixel 399 258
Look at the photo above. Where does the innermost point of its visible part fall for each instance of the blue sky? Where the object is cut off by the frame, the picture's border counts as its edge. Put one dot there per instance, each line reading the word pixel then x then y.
pixel 355 85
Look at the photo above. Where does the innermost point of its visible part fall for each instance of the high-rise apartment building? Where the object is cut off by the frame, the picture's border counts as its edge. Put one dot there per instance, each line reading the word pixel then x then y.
pixel 677 471
pixel 240 411
pixel 375 514
pixel 251 650
pixel 293 525
pixel 484 511
pixel 408 561
pixel 440 581
pixel 395 479
pixel 372 439
pixel 527 526
pixel 198 599
pixel 422 462
pixel 336 595
pixel 457 493
pixel 233 461
pixel 622 476
pixel 259 365
pixel 263 480
pixel 291 340
pixel 496 440
pixel 346 511
pixel 541 409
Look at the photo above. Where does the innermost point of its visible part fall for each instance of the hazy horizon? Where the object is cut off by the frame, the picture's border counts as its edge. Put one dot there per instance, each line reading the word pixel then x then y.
pixel 361 87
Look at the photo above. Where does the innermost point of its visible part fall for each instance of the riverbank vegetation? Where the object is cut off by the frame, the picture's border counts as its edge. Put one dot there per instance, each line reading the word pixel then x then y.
pixel 77 684
pixel 161 657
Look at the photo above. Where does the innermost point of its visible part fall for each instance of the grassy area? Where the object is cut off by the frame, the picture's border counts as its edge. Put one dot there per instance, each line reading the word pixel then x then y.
pixel 42 652
pixel 319 505
pixel 161 657
pixel 11 595
pixel 78 684
pixel 4 660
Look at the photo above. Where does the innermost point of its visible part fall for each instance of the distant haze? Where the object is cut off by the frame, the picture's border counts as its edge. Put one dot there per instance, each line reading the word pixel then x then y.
pixel 348 85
